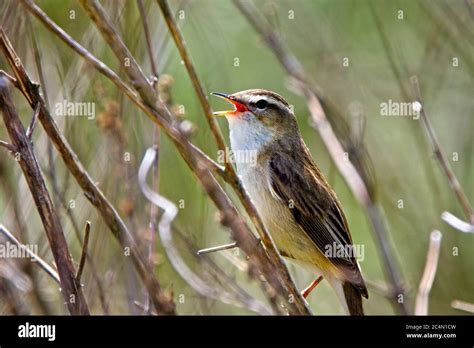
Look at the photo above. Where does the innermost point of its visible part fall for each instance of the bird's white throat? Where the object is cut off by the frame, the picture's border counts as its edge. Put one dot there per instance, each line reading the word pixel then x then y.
pixel 248 135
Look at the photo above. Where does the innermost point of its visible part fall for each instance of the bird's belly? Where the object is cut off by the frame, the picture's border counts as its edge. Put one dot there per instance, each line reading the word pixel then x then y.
pixel 290 239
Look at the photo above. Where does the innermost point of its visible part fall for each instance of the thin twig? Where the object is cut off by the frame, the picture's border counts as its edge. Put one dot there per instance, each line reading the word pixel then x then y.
pixel 335 149
pixel 421 305
pixel 445 166
pixel 240 295
pixel 149 45
pixel 10 78
pixel 217 248
pixel 34 118
pixel 144 308
pixel 156 143
pixel 34 257
pixel 457 223
pixel 349 172
pixel 51 172
pixel 8 146
pixel 82 262
pixel 463 306
pixel 32 173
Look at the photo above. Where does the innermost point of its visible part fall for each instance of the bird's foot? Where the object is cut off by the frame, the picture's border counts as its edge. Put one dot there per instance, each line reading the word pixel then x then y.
pixel 311 287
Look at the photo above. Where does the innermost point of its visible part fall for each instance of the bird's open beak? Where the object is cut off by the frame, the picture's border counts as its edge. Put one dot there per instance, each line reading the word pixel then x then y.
pixel 238 107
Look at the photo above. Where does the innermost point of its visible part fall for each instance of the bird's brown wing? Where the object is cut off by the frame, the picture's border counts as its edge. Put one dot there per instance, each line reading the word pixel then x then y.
pixel 315 208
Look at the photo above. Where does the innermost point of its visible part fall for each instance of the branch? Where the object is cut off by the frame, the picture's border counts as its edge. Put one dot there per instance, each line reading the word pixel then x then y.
pixel 421 305
pixel 351 175
pixel 162 303
pixel 32 173
pixel 334 147
pixel 452 179
pixel 148 38
pixel 31 127
pixel 34 257
pixel 217 248
pixel 10 78
pixel 8 146
pixel 82 262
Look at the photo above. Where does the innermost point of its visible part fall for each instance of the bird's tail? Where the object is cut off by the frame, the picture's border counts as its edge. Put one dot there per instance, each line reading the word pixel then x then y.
pixel 353 299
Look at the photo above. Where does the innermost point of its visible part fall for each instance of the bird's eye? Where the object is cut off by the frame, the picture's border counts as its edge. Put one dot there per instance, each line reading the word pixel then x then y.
pixel 261 104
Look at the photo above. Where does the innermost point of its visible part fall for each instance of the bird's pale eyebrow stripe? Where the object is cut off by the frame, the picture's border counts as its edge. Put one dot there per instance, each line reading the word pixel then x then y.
pixel 271 100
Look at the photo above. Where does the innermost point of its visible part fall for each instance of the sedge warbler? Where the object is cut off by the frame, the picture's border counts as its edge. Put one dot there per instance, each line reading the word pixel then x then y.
pixel 292 196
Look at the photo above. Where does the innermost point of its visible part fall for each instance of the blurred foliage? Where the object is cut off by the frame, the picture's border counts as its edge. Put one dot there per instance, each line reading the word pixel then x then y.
pixel 383 51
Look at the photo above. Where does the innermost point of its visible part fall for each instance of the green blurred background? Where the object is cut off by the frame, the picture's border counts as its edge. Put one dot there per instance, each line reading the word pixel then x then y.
pixel 384 48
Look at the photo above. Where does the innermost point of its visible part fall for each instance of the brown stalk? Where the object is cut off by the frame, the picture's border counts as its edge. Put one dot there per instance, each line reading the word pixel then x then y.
pixel 82 261
pixel 156 143
pixel 72 295
pixel 421 305
pixel 443 162
pixel 30 90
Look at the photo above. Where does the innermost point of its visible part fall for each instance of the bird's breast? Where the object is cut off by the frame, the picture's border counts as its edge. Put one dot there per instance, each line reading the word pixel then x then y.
pixel 276 215
pixel 290 239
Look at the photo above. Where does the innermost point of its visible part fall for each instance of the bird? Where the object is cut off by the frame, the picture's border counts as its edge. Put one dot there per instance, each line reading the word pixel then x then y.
pixel 298 207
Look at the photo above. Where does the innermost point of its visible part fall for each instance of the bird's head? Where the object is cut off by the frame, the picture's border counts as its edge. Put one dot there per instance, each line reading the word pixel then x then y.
pixel 258 116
